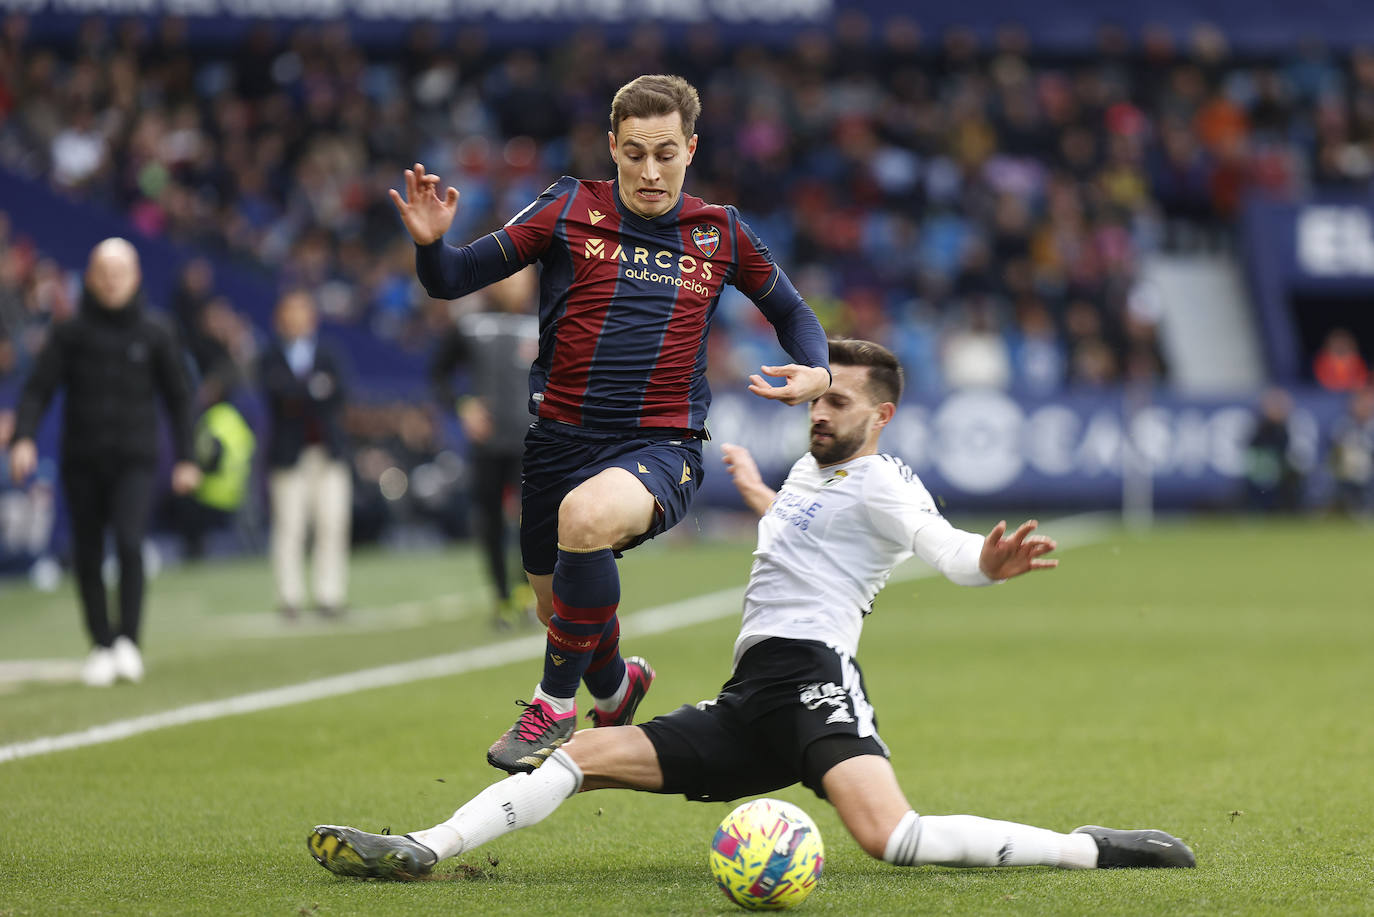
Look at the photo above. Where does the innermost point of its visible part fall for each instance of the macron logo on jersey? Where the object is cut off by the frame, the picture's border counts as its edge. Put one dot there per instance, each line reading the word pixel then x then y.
pixel 596 216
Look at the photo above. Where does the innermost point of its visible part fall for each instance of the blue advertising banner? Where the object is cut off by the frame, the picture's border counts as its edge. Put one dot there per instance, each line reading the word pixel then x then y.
pixel 1323 247
pixel 989 450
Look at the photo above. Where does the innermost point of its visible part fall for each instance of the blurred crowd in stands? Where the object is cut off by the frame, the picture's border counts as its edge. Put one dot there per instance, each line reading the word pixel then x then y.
pixel 982 207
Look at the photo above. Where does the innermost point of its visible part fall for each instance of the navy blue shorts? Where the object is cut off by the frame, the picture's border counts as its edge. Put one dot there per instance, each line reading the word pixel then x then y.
pixel 558 457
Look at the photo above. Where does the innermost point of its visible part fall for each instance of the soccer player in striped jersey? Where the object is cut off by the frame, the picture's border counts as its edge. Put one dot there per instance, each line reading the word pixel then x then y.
pixel 631 272
pixel 795 708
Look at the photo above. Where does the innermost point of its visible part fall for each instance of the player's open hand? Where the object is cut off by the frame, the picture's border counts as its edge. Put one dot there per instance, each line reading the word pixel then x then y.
pixel 426 215
pixel 804 383
pixel 1005 556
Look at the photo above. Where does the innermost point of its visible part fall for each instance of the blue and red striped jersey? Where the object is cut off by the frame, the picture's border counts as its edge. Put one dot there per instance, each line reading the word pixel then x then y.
pixel 625 303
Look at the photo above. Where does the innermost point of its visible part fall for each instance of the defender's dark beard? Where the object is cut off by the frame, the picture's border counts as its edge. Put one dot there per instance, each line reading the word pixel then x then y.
pixel 836 449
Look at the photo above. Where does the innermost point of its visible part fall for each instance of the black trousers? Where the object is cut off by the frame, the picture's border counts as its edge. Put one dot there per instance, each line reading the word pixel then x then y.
pixel 492 473
pixel 116 497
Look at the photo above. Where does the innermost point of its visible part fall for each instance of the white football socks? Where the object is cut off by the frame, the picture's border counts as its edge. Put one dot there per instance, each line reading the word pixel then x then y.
pixel 560 705
pixel 967 840
pixel 517 802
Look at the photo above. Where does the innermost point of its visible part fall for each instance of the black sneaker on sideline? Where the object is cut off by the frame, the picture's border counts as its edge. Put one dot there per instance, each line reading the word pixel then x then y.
pixel 1145 847
pixel 347 851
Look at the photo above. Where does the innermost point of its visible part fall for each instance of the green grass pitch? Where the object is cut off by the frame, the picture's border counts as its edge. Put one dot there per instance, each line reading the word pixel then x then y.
pixel 1212 678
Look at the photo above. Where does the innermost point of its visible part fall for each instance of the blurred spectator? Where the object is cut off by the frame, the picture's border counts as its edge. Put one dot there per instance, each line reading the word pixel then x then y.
pixel 224 350
pixel 1038 351
pixel 33 292
pixel 1352 455
pixel 114 361
pixel 1092 361
pixel 224 447
pixel 79 150
pixel 1338 365
pixel 194 288
pixel 496 348
pixel 310 484
pixel 1273 481
pixel 1144 356
pixel 974 353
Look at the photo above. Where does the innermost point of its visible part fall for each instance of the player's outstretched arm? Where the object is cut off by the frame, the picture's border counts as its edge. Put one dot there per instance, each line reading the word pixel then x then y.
pixel 804 383
pixel 757 495
pixel 1005 556
pixel 426 215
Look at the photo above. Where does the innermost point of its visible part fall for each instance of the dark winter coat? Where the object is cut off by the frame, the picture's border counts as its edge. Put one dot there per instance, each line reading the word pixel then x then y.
pixel 113 365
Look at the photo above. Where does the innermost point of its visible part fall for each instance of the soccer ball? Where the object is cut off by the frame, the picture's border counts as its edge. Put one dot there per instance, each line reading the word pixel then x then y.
pixel 767 855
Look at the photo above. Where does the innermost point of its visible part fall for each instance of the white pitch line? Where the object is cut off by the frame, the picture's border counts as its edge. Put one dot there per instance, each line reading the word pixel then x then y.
pixel 1070 532
pixel 651 621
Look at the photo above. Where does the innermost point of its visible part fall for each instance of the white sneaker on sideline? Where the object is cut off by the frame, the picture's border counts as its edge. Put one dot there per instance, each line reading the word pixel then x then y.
pixel 128 661
pixel 99 669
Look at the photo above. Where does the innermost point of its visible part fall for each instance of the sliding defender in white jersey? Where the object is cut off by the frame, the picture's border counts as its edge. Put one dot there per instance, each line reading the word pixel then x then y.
pixel 794 708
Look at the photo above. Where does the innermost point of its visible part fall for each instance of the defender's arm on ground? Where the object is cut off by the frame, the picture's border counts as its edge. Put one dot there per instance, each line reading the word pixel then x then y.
pixel 757 495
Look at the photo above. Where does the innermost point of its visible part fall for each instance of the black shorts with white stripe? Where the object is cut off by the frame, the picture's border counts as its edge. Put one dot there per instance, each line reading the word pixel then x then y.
pixel 765 729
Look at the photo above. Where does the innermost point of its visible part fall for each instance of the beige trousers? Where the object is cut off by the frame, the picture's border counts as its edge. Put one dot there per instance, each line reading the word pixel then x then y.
pixel 316 493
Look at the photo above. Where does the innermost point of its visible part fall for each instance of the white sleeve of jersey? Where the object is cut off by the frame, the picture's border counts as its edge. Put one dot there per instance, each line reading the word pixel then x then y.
pixel 902 509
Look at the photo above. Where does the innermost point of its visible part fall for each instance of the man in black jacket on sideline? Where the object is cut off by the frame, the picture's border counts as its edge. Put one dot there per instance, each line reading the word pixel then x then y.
pixel 114 360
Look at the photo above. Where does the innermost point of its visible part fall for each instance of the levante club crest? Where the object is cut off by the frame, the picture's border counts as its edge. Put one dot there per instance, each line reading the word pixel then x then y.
pixel 707 239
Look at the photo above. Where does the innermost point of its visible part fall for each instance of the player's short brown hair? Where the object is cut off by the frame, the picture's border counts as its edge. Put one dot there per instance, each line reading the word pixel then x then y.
pixel 656 94
pixel 885 378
